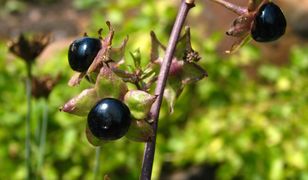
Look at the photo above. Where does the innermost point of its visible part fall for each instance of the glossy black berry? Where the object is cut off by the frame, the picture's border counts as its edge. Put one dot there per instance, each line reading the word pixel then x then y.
pixel 269 24
pixel 82 52
pixel 109 119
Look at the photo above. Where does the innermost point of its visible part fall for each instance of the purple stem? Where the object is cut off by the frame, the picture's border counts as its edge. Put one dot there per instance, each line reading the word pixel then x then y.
pixel 149 151
pixel 232 7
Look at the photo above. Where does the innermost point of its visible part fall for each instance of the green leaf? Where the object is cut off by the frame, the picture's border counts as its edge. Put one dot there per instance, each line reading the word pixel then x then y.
pixel 139 103
pixel 136 58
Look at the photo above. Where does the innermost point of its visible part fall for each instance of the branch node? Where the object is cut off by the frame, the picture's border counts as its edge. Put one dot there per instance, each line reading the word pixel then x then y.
pixel 190 2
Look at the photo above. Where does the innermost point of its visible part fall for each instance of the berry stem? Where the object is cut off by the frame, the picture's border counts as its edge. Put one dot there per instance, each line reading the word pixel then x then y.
pixel 43 132
pixel 96 163
pixel 149 151
pixel 232 7
pixel 28 121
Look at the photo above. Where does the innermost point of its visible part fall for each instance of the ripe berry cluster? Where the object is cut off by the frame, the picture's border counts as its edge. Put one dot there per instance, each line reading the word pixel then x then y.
pixel 128 113
pixel 110 118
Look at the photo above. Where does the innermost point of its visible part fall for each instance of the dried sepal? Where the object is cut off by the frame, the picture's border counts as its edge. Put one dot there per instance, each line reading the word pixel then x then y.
pixel 240 42
pixel 192 73
pixel 82 103
pixel 29 49
pixel 108 84
pixel 183 44
pixel 117 54
pixel 125 75
pixel 103 56
pixel 140 131
pixel 170 95
pixel 241 25
pixel 184 68
pixel 241 30
pixel 76 78
pixel 139 102
pixel 156 45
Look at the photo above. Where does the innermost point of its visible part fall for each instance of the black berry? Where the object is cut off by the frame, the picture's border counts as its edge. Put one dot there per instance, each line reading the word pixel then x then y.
pixel 109 119
pixel 82 52
pixel 269 24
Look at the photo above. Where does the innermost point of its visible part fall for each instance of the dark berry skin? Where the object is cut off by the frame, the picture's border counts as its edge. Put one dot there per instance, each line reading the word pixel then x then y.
pixel 269 24
pixel 109 119
pixel 82 52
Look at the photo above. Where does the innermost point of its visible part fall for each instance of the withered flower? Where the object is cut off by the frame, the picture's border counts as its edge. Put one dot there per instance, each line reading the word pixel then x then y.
pixel 42 86
pixel 29 49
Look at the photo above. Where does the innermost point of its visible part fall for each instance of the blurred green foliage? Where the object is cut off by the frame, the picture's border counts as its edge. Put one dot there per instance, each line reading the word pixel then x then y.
pixel 249 126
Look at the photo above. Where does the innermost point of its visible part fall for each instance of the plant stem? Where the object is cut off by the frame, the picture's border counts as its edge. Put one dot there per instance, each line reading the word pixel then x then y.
pixel 28 121
pixel 232 7
pixel 149 151
pixel 43 133
pixel 96 163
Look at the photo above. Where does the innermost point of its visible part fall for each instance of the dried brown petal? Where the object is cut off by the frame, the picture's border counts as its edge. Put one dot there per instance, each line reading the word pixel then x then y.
pixel 76 78
pixel 239 43
pixel 42 86
pixel 29 48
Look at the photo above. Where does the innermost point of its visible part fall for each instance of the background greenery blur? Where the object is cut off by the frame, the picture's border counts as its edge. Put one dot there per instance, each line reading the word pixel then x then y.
pixel 247 120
